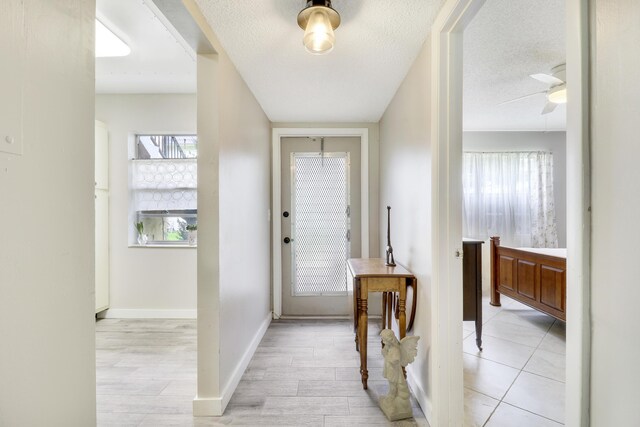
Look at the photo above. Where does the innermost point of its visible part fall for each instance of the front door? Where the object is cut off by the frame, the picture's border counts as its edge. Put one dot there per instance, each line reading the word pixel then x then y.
pixel 320 223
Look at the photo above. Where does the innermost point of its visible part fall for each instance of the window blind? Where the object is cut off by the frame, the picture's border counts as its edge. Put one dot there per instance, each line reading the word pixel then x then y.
pixel 164 184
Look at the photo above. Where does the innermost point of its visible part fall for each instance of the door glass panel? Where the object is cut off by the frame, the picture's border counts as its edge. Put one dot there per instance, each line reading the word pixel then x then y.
pixel 320 223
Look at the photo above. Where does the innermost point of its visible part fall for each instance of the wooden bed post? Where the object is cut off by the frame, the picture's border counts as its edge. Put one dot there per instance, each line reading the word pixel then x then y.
pixel 495 271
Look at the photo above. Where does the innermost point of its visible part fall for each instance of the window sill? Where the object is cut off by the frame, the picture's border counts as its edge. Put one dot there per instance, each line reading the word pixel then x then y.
pixel 165 246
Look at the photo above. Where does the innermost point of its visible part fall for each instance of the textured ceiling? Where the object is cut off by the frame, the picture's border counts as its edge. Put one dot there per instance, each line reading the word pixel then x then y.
pixel 506 42
pixel 158 63
pixel 376 43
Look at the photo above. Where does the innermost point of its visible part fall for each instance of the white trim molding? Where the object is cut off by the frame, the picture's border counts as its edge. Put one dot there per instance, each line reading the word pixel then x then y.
pixel 215 406
pixel 419 393
pixel 207 407
pixel 447 406
pixel 578 375
pixel 136 313
pixel 276 228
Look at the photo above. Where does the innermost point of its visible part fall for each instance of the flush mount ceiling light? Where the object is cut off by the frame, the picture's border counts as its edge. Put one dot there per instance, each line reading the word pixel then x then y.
pixel 318 20
pixel 558 94
pixel 108 44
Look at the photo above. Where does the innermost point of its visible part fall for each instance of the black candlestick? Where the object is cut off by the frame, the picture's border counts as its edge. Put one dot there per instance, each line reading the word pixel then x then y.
pixel 389 259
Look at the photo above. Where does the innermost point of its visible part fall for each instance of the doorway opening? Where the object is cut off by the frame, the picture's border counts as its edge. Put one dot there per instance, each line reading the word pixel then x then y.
pixel 514 189
pixel 320 223
pixel 447 141
pixel 305 161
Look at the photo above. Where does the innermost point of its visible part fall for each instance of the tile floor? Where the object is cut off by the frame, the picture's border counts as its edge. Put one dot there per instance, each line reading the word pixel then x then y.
pixel 304 373
pixel 518 378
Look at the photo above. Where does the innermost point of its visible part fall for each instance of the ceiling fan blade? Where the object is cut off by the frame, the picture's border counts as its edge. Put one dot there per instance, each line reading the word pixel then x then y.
pixel 546 78
pixel 522 97
pixel 549 108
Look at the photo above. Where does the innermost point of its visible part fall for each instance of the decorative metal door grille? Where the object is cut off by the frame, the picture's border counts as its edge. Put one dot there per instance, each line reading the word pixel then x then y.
pixel 320 223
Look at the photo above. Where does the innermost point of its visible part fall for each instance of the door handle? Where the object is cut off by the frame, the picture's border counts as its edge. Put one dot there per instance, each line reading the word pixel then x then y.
pixel 287 240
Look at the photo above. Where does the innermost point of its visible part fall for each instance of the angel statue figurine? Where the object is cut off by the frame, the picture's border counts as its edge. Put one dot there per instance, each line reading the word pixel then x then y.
pixel 397 355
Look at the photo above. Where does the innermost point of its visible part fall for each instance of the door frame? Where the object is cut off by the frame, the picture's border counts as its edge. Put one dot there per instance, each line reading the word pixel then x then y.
pixel 446 120
pixel 447 405
pixel 276 204
pixel 578 372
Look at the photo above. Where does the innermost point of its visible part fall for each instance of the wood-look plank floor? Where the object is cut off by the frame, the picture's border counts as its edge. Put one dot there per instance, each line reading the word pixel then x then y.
pixel 304 373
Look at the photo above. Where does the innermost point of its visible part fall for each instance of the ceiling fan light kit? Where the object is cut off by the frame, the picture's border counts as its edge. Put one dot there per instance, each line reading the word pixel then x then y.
pixel 318 20
pixel 558 94
pixel 555 94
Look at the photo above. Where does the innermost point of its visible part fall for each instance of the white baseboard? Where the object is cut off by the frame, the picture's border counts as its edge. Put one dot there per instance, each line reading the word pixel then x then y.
pixel 285 317
pixel 215 406
pixel 420 395
pixel 207 407
pixel 242 365
pixel 134 313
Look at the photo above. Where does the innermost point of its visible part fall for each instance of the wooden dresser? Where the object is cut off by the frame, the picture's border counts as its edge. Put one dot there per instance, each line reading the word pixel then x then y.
pixel 472 285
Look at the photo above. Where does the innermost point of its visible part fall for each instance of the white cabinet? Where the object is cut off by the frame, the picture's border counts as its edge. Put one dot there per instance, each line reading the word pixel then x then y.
pixel 102 156
pixel 102 249
pixel 102 216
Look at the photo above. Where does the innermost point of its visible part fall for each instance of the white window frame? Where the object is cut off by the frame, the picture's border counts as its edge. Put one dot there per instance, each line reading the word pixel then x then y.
pixel 135 214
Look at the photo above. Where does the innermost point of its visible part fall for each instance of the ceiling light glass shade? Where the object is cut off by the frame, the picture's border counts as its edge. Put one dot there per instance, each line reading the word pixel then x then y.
pixel 558 95
pixel 318 20
pixel 318 36
pixel 108 44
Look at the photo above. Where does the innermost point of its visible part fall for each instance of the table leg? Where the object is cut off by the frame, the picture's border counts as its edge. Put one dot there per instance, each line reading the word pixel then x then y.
pixel 402 321
pixel 414 285
pixel 362 332
pixel 355 304
pixel 356 309
pixel 402 318
pixel 384 310
pixel 384 315
pixel 390 309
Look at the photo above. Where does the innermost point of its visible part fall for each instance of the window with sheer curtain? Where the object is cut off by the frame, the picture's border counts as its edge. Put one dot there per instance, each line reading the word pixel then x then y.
pixel 510 194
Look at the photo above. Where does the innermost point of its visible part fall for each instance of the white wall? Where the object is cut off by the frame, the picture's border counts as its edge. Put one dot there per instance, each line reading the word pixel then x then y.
pixel 47 340
pixel 405 177
pixel 145 281
pixel 615 180
pixel 234 196
pixel 526 141
pixel 245 199
pixel 208 400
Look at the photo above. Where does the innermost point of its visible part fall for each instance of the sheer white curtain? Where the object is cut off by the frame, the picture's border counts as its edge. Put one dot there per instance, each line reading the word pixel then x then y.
pixel 510 195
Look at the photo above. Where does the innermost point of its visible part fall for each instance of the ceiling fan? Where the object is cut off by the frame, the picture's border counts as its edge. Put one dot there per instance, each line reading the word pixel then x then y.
pixel 555 94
